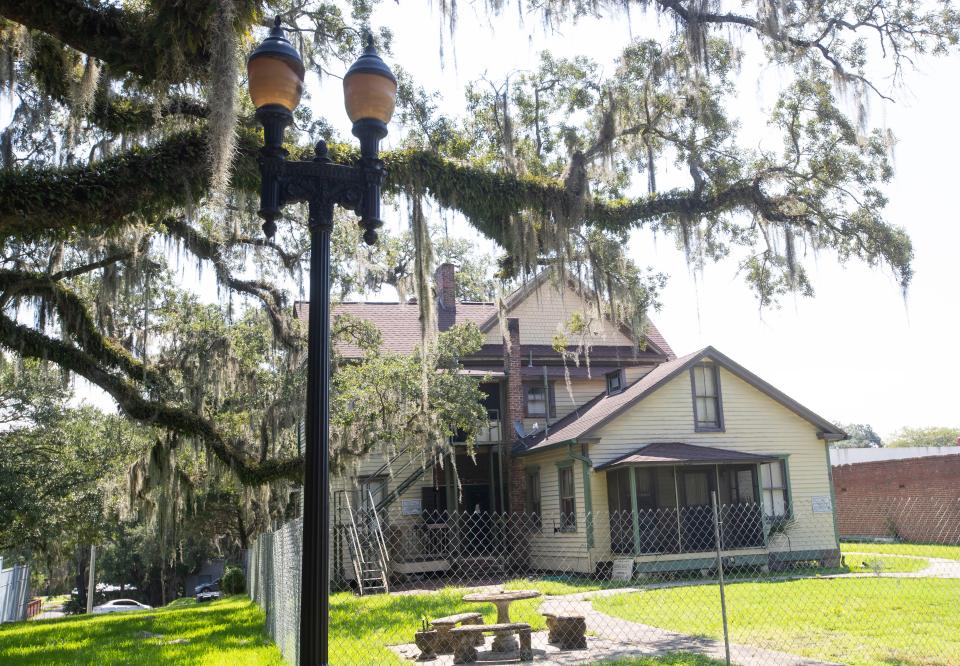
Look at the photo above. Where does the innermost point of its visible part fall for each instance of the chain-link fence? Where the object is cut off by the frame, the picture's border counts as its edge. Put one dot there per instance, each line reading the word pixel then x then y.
pixel 733 581
pixel 14 592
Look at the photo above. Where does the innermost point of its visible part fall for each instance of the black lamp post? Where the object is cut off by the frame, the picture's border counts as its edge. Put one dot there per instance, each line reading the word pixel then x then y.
pixel 276 72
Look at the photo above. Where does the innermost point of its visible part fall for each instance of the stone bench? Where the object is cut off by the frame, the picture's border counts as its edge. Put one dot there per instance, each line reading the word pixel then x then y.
pixel 465 640
pixel 568 630
pixel 444 625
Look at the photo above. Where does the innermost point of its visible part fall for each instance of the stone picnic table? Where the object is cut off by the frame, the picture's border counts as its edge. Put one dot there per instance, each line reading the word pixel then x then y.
pixel 502 642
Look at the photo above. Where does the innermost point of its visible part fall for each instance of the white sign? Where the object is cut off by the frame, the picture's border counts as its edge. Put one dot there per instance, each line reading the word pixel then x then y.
pixel 622 569
pixel 822 504
pixel 410 507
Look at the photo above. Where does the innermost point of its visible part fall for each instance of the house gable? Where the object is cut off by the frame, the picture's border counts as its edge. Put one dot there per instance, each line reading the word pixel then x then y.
pixel 754 422
pixel 544 307
pixel 588 422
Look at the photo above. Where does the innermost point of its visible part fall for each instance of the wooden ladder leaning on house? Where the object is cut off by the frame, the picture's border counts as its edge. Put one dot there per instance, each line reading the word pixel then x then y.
pixel 368 549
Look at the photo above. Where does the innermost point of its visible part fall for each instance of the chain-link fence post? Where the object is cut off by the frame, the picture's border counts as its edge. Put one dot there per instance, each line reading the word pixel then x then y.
pixel 723 597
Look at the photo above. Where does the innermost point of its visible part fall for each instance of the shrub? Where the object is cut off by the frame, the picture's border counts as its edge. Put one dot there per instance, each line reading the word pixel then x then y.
pixel 233 581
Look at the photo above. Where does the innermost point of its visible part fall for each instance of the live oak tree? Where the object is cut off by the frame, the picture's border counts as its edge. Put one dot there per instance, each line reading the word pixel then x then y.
pixel 131 153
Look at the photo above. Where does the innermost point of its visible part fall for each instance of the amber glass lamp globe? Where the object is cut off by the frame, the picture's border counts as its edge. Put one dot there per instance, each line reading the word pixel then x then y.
pixel 369 88
pixel 275 72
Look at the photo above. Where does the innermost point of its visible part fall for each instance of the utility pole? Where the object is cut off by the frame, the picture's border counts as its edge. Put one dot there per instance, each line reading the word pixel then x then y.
pixel 91 582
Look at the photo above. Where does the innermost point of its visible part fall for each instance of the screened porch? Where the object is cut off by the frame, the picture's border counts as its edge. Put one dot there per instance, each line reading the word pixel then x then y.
pixel 659 499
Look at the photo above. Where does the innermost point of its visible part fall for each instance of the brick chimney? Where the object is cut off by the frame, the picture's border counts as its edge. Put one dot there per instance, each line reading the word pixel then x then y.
pixel 445 279
pixel 512 360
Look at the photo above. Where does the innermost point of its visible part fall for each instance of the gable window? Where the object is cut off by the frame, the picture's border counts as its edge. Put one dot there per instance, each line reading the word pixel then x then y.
pixel 533 498
pixel 707 406
pixel 773 486
pixel 538 398
pixel 568 505
pixel 614 382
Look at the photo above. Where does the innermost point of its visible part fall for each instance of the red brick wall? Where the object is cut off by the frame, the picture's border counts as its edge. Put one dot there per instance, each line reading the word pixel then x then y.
pixel 916 499
pixel 513 356
pixel 445 281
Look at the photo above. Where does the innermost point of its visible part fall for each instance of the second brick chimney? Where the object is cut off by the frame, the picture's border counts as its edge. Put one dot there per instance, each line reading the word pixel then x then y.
pixel 512 358
pixel 445 280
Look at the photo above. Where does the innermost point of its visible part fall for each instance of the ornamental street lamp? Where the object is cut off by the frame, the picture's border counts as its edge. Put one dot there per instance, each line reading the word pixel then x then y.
pixel 276 72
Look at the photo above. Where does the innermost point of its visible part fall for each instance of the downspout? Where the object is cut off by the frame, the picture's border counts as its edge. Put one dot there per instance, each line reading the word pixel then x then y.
pixel 587 494
pixel 833 494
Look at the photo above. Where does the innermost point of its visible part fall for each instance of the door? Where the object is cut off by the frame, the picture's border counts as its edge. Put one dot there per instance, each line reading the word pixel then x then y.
pixel 696 514
pixel 477 521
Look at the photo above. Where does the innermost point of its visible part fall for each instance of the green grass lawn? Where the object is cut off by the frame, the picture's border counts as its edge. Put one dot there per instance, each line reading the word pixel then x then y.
pixel 852 621
pixel 921 550
pixel 361 628
pixel 679 659
pixel 221 633
pixel 561 585
pixel 54 601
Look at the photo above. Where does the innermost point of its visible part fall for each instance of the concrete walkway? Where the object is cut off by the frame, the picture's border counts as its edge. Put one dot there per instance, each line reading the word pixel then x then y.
pixel 654 641
pixel 937 567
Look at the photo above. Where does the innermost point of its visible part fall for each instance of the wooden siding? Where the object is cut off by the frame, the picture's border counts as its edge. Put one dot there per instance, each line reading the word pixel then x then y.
pixel 754 423
pixel 545 310
pixel 551 550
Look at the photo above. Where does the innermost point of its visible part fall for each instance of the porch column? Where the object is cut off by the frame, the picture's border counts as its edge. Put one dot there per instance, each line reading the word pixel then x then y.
pixel 634 511
pixel 676 492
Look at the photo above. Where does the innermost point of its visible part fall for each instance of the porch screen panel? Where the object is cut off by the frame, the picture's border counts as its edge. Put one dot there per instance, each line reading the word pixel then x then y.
pixel 621 516
pixel 697 513
pixel 742 525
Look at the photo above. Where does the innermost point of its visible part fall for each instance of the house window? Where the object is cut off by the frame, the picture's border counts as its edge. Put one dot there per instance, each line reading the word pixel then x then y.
pixel 568 506
pixel 707 407
pixel 773 486
pixel 538 398
pixel 533 498
pixel 371 487
pixel 614 382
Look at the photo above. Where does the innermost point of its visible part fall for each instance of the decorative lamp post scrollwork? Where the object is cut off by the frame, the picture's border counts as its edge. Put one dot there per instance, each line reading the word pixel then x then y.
pixel 276 73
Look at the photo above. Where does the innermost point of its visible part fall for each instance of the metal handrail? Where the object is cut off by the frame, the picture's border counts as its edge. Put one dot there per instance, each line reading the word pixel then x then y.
pixel 378 534
pixel 354 543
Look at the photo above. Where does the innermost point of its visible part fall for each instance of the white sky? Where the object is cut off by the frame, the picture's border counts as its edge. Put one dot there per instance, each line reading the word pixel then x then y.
pixel 857 352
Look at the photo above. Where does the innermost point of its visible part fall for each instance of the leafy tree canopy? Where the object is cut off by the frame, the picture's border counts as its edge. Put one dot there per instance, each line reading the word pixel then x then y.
pixel 933 436
pixel 861 436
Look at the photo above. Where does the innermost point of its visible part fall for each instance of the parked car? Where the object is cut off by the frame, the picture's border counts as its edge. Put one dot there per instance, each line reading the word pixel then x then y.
pixel 118 605
pixel 208 592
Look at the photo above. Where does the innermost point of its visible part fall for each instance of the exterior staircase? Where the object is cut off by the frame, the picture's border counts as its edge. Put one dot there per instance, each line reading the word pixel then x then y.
pixel 368 549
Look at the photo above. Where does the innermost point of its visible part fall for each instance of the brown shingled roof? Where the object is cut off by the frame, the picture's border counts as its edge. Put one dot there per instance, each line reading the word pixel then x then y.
pixel 678 453
pixel 585 421
pixel 399 323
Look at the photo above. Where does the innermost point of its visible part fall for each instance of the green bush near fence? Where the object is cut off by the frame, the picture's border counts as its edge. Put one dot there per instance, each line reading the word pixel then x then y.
pixel 851 621
pixel 233 581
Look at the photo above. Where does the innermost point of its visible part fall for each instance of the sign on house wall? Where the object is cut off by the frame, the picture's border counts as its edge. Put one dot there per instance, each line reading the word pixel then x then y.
pixel 622 569
pixel 822 504
pixel 410 507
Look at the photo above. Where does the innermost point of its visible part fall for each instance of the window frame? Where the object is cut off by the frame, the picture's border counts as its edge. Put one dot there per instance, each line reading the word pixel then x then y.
pixel 363 483
pixel 784 488
pixel 533 502
pixel 551 400
pixel 698 426
pixel 618 375
pixel 568 520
